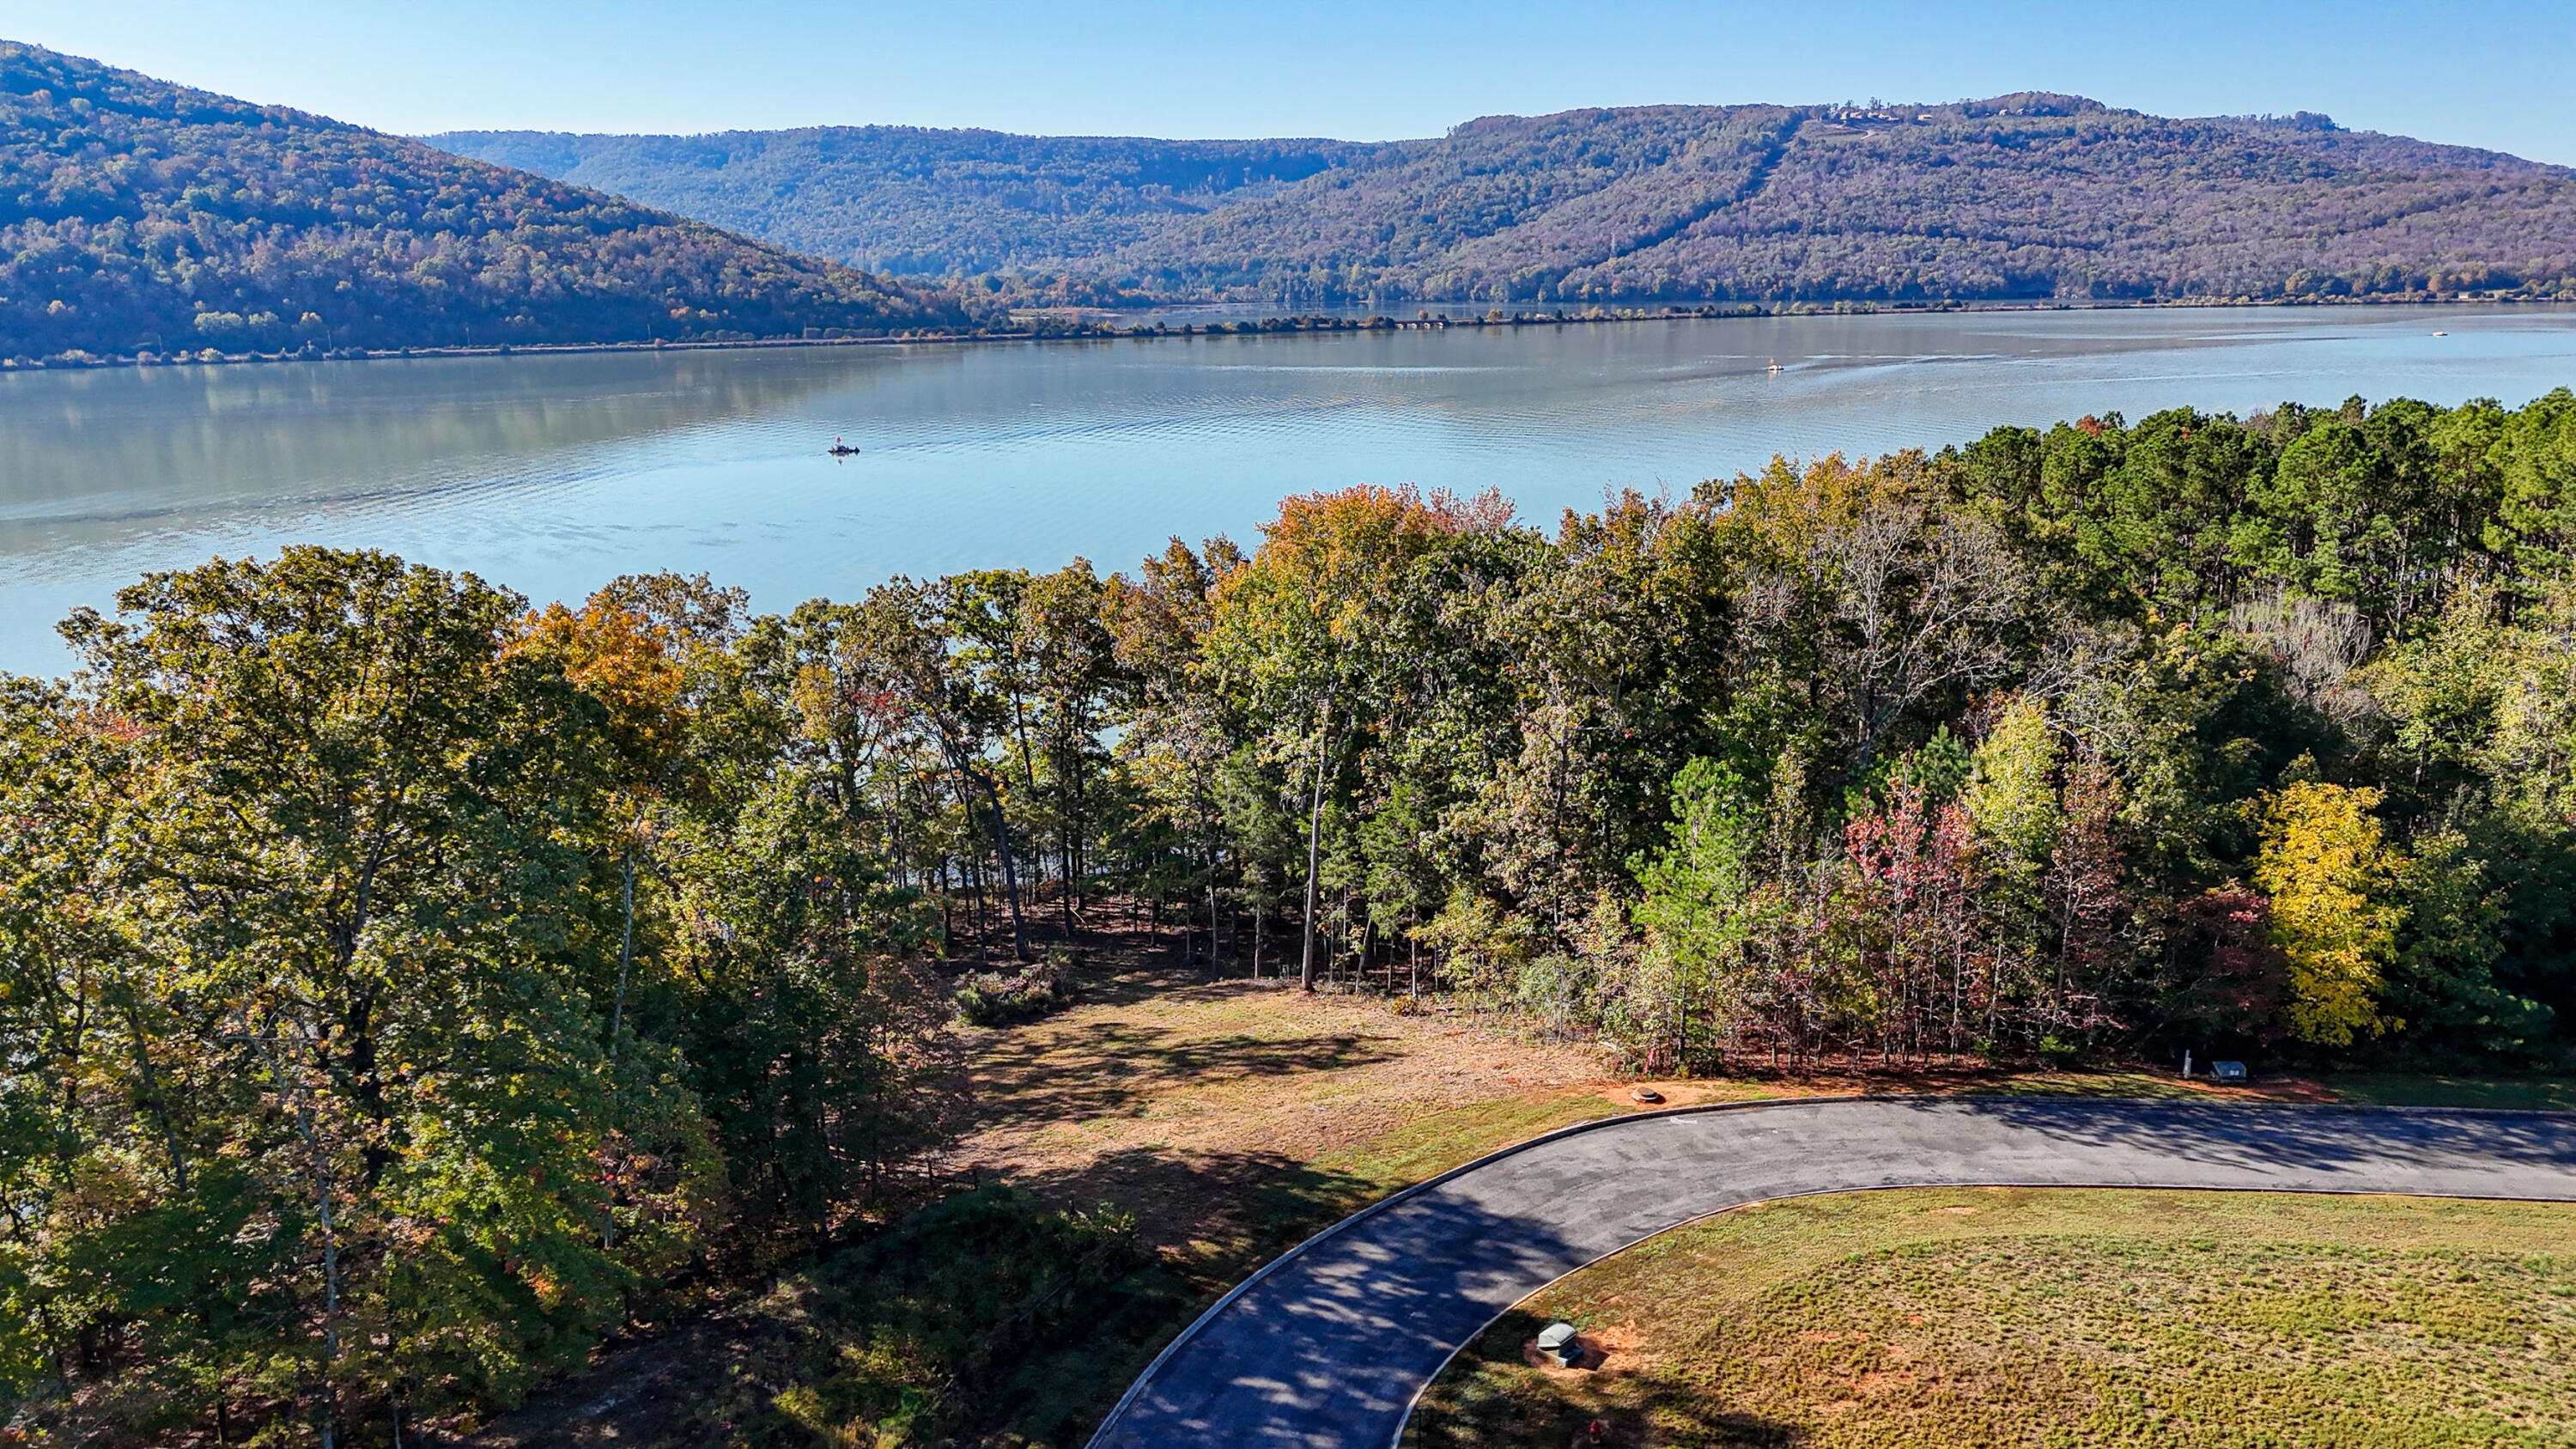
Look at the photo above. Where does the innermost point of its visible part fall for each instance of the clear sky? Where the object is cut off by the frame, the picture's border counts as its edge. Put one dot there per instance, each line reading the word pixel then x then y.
pixel 2493 73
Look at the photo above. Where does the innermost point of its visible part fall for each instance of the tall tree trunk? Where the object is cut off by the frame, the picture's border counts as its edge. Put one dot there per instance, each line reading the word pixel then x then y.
pixel 616 1028
pixel 318 1165
pixel 1314 845
pixel 1208 843
pixel 970 870
pixel 625 958
pixel 1010 869
pixel 1078 831
pixel 1064 867
pixel 154 1101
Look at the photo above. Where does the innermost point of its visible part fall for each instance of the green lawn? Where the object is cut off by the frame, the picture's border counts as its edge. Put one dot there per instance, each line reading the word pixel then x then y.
pixel 2429 1089
pixel 2013 1316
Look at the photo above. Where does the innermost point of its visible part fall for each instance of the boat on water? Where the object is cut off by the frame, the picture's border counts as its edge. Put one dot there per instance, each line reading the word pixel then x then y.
pixel 840 449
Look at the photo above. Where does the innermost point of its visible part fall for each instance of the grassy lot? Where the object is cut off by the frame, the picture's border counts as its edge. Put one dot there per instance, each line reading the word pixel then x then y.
pixel 1237 1119
pixel 2013 1316
pixel 1185 1098
pixel 2426 1089
pixel 1230 1120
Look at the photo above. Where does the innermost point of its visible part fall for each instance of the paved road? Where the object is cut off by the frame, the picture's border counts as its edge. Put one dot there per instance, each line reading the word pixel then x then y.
pixel 1329 1345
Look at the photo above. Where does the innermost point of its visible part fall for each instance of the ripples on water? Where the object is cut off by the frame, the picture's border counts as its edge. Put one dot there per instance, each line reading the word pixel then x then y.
pixel 552 474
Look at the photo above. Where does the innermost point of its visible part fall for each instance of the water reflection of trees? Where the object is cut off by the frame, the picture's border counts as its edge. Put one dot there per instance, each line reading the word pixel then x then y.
pixel 108 449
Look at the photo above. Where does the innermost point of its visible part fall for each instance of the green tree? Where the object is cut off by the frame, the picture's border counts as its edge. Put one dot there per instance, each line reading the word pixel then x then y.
pixel 2450 938
pixel 2011 794
pixel 361 844
pixel 1699 895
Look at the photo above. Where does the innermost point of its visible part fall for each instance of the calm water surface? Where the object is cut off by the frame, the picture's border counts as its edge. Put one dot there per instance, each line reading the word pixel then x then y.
pixel 553 474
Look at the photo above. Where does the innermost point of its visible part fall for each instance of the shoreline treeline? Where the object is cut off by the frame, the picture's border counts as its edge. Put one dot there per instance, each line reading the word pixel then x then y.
pixel 403 986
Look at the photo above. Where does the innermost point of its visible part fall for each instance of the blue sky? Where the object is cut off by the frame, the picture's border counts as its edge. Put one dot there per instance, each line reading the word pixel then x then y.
pixel 2477 72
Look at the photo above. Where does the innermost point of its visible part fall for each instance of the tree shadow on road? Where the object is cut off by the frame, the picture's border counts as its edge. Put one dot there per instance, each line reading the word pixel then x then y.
pixel 1250 1208
pixel 2323 1139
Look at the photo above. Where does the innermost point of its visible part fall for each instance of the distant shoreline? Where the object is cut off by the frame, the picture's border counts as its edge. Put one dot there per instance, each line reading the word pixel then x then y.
pixel 1109 331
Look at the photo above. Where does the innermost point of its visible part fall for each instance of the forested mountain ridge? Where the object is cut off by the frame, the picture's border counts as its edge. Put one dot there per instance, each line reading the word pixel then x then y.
pixel 911 200
pixel 2029 196
pixel 141 216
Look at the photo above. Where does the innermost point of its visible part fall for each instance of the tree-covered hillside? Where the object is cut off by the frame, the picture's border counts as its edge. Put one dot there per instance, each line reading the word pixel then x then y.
pixel 2026 196
pixel 917 201
pixel 140 216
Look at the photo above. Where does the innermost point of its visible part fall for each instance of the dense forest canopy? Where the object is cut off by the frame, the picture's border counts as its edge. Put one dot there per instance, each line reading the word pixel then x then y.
pixel 401 985
pixel 2019 197
pixel 139 216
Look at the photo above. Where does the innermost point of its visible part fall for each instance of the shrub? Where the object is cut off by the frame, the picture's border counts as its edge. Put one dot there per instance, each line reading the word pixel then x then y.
pixel 963 1289
pixel 990 998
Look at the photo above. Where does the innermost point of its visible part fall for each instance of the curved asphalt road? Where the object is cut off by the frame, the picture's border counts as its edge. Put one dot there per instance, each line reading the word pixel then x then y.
pixel 1330 1343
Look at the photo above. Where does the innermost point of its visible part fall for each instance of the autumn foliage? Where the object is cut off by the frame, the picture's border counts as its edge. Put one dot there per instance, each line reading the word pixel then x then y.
pixel 403 987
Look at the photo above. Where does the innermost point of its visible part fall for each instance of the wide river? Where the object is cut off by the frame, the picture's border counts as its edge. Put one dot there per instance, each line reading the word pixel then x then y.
pixel 553 474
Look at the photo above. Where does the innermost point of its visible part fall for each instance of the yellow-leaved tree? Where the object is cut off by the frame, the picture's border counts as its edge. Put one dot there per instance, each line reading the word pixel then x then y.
pixel 2327 870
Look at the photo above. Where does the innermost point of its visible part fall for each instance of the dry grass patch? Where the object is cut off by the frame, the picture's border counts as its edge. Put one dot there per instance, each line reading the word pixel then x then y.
pixel 1176 1097
pixel 2014 1316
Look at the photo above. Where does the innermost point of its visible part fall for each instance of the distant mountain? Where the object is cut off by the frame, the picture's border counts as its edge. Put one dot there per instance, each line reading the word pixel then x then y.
pixel 921 202
pixel 136 215
pixel 2026 196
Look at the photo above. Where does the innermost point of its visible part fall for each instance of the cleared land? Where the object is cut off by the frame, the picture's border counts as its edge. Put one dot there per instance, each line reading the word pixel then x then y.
pixel 1232 1119
pixel 2015 1316
pixel 1221 1110
pixel 1182 1097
